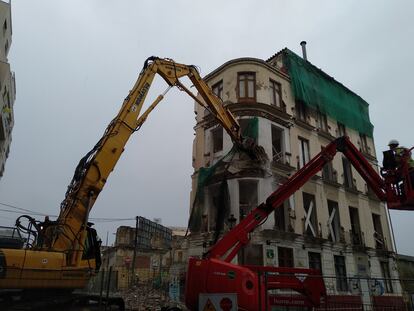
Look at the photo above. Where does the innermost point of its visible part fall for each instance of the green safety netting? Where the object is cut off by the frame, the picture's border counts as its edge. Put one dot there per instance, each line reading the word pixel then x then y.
pixel 251 130
pixel 318 90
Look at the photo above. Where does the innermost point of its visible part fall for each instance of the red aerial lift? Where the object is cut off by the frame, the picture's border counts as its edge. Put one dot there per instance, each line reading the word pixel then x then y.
pixel 215 274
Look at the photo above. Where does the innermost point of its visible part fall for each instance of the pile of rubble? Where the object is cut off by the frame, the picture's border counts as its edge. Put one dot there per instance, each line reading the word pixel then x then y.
pixel 144 297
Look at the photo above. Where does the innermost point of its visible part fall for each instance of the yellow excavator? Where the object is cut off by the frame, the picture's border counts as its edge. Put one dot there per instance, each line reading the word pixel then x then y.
pixel 65 253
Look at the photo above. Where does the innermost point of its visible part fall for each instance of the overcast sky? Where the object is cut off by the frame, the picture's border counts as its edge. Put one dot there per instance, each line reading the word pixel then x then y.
pixel 75 61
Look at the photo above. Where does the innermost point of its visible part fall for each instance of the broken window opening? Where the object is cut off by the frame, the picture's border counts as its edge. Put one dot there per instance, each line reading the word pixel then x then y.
pixel 278 154
pixel 218 89
pixel 310 217
pixel 301 112
pixel 217 138
pixel 322 121
pixel 247 196
pixel 246 128
pixel 348 178
pixel 356 234
pixel 304 155
pixel 341 130
pixel 364 143
pixel 285 257
pixel 2 132
pixel 315 261
pixel 385 270
pixel 328 172
pixel 219 207
pixel 378 233
pixel 340 273
pixel 251 254
pixel 281 217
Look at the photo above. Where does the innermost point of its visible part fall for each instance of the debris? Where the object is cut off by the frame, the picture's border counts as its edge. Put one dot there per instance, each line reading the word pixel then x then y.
pixel 144 297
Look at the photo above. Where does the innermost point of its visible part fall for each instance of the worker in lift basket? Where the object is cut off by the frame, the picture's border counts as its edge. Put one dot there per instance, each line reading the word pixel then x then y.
pixel 399 152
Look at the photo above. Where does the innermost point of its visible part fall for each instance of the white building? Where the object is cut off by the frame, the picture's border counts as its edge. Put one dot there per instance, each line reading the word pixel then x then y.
pixel 7 85
pixel 334 222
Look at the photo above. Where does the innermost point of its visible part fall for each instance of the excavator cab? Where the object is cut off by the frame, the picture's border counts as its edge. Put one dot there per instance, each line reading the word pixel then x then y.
pixel 92 248
pixel 399 180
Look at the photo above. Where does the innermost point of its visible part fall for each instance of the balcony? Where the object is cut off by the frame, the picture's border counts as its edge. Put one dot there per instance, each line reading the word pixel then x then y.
pixel 281 160
pixel 356 238
pixel 330 176
pixel 339 234
pixel 350 185
pixel 380 242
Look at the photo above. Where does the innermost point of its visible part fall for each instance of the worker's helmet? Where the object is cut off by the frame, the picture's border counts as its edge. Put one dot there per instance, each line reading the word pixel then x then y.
pixel 393 142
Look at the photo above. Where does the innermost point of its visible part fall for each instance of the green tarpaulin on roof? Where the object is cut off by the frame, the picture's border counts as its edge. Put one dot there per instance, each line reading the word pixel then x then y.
pixel 317 90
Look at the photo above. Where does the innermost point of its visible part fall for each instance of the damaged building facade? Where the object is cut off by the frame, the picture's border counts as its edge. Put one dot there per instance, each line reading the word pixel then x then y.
pixel 7 85
pixel 149 252
pixel 334 222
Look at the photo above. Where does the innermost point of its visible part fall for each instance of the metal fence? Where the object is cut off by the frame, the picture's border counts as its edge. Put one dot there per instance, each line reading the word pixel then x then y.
pixel 104 281
pixel 351 294
pixel 347 293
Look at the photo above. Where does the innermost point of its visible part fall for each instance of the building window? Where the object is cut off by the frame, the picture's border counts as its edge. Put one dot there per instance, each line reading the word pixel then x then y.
pixel 341 129
pixel 5 26
pixel 281 213
pixel 385 269
pixel 340 273
pixel 218 89
pixel 180 256
pixel 275 90
pixel 277 144
pixel 247 196
pixel 214 206
pixel 2 133
pixel 217 137
pixel 251 254
pixel 328 172
pixel 378 234
pixel 356 234
pixel 348 178
pixel 311 221
pixel 246 86
pixel 304 155
pixel 301 111
pixel 334 225
pixel 364 143
pixel 285 255
pixel 322 121
pixel 6 46
pixel 315 261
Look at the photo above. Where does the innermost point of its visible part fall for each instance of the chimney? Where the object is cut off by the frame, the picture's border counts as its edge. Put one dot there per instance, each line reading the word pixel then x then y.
pixel 303 44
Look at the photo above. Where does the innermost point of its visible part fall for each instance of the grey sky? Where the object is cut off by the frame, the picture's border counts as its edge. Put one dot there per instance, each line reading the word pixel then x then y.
pixel 76 60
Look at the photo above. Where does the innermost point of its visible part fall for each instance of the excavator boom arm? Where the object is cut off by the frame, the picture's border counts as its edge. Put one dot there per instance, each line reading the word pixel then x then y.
pixel 93 170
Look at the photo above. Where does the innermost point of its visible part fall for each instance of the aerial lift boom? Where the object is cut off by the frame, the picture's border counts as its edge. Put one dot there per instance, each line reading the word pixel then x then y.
pixel 214 273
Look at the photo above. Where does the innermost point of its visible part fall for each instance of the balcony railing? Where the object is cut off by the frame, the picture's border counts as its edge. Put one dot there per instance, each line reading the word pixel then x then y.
pixel 329 175
pixel 278 156
pixel 356 238
pixel 379 241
